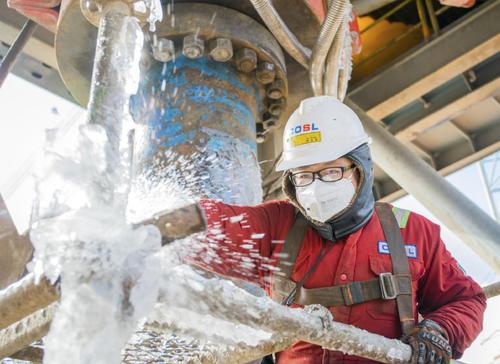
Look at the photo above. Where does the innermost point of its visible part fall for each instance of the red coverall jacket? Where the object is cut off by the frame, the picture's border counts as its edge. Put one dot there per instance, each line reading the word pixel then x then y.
pixel 244 243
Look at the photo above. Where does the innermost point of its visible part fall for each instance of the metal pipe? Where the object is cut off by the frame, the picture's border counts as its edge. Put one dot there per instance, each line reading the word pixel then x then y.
pixel 432 16
pixel 475 227
pixel 346 70
pixel 423 19
pixel 331 78
pixel 198 138
pixel 114 78
pixel 15 49
pixel 324 42
pixel 24 297
pixel 24 332
pixel 313 324
pixel 284 36
pixel 274 319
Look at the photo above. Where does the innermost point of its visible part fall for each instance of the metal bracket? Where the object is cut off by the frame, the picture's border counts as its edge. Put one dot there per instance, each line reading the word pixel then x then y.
pixel 388 286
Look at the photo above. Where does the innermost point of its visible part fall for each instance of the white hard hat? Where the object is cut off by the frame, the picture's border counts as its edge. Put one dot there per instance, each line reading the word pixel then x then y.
pixel 322 129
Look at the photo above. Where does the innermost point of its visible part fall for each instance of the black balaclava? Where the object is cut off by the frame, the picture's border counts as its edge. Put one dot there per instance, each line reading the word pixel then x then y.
pixel 359 211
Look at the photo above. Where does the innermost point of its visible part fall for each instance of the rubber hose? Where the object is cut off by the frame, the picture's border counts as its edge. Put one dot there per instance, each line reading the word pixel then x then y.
pixel 325 39
pixel 279 29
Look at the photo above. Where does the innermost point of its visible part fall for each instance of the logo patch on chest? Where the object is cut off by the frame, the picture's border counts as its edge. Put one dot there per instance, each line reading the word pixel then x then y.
pixel 411 249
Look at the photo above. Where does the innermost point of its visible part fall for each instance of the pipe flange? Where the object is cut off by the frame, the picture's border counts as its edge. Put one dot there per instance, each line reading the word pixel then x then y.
pixel 238 39
pixel 224 33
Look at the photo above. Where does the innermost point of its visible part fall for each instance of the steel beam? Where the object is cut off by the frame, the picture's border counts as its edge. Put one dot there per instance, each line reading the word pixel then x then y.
pixel 473 39
pixel 486 141
pixel 41 44
pixel 475 227
pixel 449 111
pixel 15 49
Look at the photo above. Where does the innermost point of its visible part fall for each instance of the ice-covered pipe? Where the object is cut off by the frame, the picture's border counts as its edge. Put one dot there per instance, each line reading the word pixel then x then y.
pixel 223 300
pixel 326 35
pixel 284 36
pixel 22 333
pixel 24 297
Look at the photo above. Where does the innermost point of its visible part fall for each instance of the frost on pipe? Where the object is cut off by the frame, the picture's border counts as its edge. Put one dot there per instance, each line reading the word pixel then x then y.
pixel 257 325
pixel 107 267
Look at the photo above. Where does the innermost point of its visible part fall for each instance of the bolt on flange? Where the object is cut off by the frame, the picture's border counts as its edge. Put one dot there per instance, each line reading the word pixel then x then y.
pixel 193 47
pixel 265 73
pixel 276 89
pixel 246 60
pixel 270 123
pixel 220 49
pixel 275 107
pixel 163 50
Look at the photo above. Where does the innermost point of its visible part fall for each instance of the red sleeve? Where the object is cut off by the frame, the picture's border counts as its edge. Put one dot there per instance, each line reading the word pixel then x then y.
pixel 449 297
pixel 240 239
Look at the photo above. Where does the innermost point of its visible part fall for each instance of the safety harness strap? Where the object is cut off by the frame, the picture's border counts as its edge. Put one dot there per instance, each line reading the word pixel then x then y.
pixel 396 285
pixel 400 266
pixel 386 287
pixel 292 244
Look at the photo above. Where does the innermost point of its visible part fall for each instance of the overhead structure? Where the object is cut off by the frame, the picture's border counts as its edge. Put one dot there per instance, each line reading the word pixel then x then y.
pixel 474 226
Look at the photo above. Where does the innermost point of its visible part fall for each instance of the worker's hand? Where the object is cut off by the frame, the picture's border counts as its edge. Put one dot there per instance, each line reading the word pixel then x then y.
pixel 429 344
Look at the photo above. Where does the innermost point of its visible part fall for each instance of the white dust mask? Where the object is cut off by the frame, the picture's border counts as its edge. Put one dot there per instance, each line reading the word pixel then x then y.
pixel 323 200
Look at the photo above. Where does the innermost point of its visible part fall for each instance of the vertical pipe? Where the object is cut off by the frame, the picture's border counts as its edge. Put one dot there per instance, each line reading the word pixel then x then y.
pixel 432 16
pixel 15 49
pixel 198 137
pixel 330 26
pixel 423 19
pixel 333 62
pixel 115 77
pixel 475 227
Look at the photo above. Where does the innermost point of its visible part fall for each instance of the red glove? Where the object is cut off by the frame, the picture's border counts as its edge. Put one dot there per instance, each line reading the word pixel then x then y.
pixel 429 344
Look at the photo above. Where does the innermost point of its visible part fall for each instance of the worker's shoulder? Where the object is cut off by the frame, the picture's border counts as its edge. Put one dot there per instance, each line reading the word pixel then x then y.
pixel 411 219
pixel 417 228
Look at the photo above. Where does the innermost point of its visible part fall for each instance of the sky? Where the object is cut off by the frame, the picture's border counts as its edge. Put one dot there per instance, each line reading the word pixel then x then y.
pixel 27 110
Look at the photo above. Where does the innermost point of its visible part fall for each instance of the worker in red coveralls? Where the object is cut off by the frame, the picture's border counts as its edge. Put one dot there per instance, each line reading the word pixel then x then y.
pixel 373 265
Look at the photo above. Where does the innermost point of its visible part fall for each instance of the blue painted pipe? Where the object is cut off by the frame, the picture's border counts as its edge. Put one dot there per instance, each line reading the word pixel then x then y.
pixel 198 131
